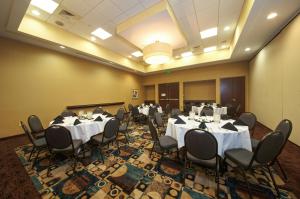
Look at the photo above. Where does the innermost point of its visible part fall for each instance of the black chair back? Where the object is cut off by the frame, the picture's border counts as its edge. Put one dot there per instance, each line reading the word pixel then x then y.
pixel 158 119
pixel 286 127
pixel 201 144
pixel 120 114
pixel 269 148
pixel 175 112
pixel 111 128
pixel 68 113
pixel 35 124
pixel 167 109
pixel 135 111
pixel 98 110
pixel 58 137
pixel 27 132
pixel 152 111
pixel 249 119
pixel 153 130
pixel 207 111
pixel 130 107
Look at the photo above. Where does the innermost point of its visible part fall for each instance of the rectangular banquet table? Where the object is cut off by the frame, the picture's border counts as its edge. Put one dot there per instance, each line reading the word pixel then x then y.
pixel 226 139
pixel 86 129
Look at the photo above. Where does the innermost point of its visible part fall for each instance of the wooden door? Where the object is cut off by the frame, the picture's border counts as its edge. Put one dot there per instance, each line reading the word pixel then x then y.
pixel 233 92
pixel 169 94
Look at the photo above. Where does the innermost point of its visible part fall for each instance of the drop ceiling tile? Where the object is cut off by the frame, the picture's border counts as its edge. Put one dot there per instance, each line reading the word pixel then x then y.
pixel 125 4
pixel 134 10
pixel 119 19
pixel 80 7
pixel 148 3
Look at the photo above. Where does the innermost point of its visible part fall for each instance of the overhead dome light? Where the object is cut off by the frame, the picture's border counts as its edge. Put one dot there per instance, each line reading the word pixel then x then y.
pixel 157 53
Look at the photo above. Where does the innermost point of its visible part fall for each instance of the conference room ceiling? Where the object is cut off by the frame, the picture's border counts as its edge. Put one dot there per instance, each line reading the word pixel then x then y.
pixel 240 24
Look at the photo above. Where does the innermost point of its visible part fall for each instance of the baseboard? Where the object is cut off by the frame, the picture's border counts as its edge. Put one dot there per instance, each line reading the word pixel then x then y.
pixel 13 136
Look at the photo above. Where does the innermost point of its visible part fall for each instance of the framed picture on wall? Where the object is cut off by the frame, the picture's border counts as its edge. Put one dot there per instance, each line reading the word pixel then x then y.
pixel 135 93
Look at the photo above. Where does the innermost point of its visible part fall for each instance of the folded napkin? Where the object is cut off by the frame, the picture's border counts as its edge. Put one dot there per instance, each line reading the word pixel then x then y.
pixel 202 125
pixel 179 121
pixel 229 126
pixel 59 118
pixel 76 122
pixel 98 119
pixel 239 123
pixel 58 121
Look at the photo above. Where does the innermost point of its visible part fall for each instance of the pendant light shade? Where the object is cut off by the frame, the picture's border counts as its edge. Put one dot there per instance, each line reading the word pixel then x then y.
pixel 157 53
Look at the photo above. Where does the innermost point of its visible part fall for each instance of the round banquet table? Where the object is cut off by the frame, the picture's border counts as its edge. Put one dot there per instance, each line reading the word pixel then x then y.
pixel 198 109
pixel 226 139
pixel 145 110
pixel 86 129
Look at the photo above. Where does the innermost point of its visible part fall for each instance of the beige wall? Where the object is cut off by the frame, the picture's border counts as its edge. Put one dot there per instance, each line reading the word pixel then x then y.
pixel 274 83
pixel 199 90
pixel 149 92
pixel 43 82
pixel 215 72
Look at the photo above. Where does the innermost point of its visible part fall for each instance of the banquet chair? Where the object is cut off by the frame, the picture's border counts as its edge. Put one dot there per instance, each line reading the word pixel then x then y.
pixel 123 129
pixel 120 114
pixel 137 116
pixel 152 111
pixel 36 126
pixel 165 143
pixel 59 140
pixel 207 111
pixel 187 108
pixel 108 136
pixel 130 107
pixel 39 144
pixel 98 110
pixel 68 113
pixel 286 127
pixel 249 119
pixel 175 112
pixel 159 123
pixel 201 147
pixel 264 155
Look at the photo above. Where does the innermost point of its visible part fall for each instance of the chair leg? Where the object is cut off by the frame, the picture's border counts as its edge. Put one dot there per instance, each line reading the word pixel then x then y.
pixel 100 150
pixel 152 148
pixel 274 183
pixel 75 163
pixel 36 158
pixel 177 151
pixel 117 142
pixel 282 170
pixel 32 151
pixel 126 134
pixel 50 164
pixel 248 185
pixel 217 177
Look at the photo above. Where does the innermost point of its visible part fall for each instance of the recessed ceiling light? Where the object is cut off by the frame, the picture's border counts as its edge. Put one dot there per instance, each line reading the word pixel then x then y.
pixel 102 34
pixel 209 49
pixel 137 54
pixel 36 12
pixel 177 57
pixel 93 38
pixel 46 5
pixel 129 56
pixel 224 46
pixel 209 33
pixel 272 15
pixel 62 47
pixel 226 28
pixel 247 49
pixel 187 54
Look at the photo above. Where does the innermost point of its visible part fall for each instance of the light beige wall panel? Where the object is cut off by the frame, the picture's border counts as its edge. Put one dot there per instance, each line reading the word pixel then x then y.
pixel 200 90
pixel 43 82
pixel 274 75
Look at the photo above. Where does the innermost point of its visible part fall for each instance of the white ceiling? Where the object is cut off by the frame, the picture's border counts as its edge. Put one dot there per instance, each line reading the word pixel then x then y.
pixel 193 16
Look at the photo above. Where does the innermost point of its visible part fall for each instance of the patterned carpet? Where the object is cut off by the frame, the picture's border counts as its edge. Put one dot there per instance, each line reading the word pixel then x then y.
pixel 133 174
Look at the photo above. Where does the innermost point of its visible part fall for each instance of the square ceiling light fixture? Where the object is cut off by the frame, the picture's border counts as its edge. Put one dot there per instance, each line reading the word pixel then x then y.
pixel 101 33
pixel 210 49
pixel 137 54
pixel 48 6
pixel 209 33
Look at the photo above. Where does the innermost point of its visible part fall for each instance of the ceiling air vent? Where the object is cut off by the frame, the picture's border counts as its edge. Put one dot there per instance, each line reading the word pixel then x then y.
pixel 65 13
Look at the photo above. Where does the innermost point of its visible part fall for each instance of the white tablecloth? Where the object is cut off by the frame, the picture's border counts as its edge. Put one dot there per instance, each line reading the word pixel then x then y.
pixel 145 110
pixel 86 129
pixel 226 139
pixel 198 109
